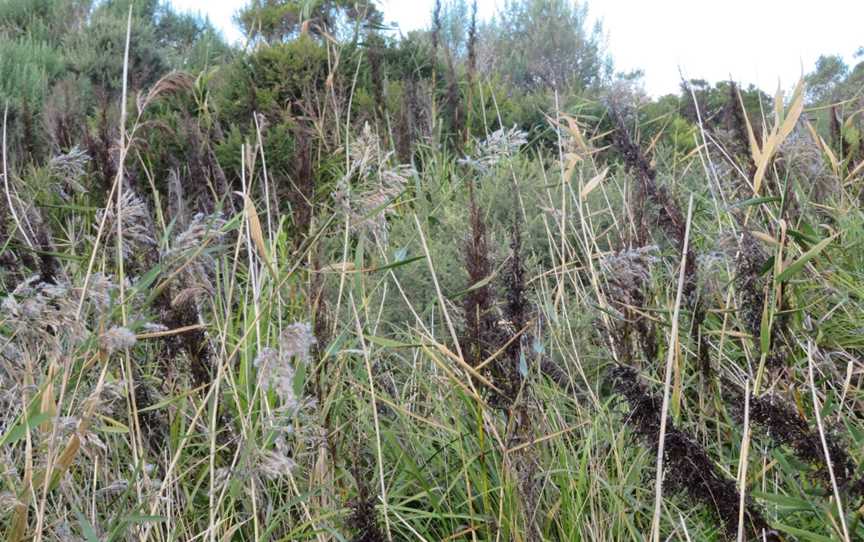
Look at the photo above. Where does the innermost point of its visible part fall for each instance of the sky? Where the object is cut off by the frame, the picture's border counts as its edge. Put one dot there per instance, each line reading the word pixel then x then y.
pixel 764 42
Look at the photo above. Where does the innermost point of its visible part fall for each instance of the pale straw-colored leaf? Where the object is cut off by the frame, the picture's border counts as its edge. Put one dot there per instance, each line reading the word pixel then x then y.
pixel 593 183
pixel 256 232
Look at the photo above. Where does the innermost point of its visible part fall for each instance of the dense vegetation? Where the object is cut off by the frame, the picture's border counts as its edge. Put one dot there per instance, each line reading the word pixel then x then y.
pixel 338 283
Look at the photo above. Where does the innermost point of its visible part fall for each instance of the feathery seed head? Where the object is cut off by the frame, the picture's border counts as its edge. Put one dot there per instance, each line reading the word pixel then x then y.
pixel 117 338
pixel 500 144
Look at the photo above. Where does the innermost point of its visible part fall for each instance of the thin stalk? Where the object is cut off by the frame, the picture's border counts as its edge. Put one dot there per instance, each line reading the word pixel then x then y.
pixel 667 384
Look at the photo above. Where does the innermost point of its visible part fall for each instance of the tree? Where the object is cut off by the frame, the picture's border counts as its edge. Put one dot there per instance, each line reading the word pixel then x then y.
pixel 547 44
pixel 830 71
pixel 452 28
pixel 42 20
pixel 276 21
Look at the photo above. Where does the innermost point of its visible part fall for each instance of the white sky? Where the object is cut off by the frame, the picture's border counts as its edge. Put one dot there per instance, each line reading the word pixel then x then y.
pixel 754 41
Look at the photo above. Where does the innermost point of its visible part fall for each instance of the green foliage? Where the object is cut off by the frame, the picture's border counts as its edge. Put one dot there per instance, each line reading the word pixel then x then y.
pixel 161 40
pixel 276 21
pixel 835 86
pixel 279 149
pixel 829 73
pixel 714 101
pixel 360 228
pixel 27 67
pixel 31 55
pixel 98 53
pixel 453 32
pixel 62 62
pixel 44 20
pixel 673 120
pixel 20 14
pixel 189 42
pixel 409 57
pixel 540 44
pixel 275 80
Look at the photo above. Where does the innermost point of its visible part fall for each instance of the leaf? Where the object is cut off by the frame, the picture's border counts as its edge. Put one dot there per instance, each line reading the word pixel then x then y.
pixel 538 346
pixel 351 267
pixel 804 239
pixel 49 405
pixel 835 164
pixel 143 518
pixel 112 426
pixel 17 432
pixel 765 330
pixel 86 528
pixel 593 183
pixel 857 434
pixel 389 343
pixel 751 136
pixel 794 112
pixel 165 402
pixel 339 267
pixel 783 126
pixel 764 237
pixel 784 501
pixel 762 164
pixel 523 364
pixel 778 104
pixel 480 283
pixel 398 263
pixel 299 379
pixel 768 266
pixel 804 535
pixel 145 282
pixel 256 232
pixel 799 264
pixel 754 201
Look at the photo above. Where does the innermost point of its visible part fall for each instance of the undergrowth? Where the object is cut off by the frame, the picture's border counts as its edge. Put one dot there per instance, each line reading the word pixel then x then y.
pixel 421 322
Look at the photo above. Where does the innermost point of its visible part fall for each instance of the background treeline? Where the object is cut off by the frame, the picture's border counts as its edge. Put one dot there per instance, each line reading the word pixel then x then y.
pixel 306 64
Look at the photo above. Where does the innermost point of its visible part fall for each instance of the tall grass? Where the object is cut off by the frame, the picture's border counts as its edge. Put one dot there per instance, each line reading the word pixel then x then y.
pixel 501 342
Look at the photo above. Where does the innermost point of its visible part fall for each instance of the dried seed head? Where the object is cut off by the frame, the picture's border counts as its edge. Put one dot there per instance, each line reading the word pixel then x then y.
pixel 712 266
pixel 782 423
pixel 100 291
pixel 627 273
pixel 276 372
pixel 266 358
pixel 365 192
pixel 113 489
pixel 117 338
pixel 500 144
pixel 40 310
pixel 69 168
pixel 276 367
pixel 365 150
pixel 187 253
pixel 203 228
pixel 135 223
pixel 749 282
pixel 273 464
pixel 297 340
pixel 8 502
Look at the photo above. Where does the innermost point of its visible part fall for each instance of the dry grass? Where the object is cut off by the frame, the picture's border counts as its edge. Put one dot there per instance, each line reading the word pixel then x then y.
pixel 351 368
